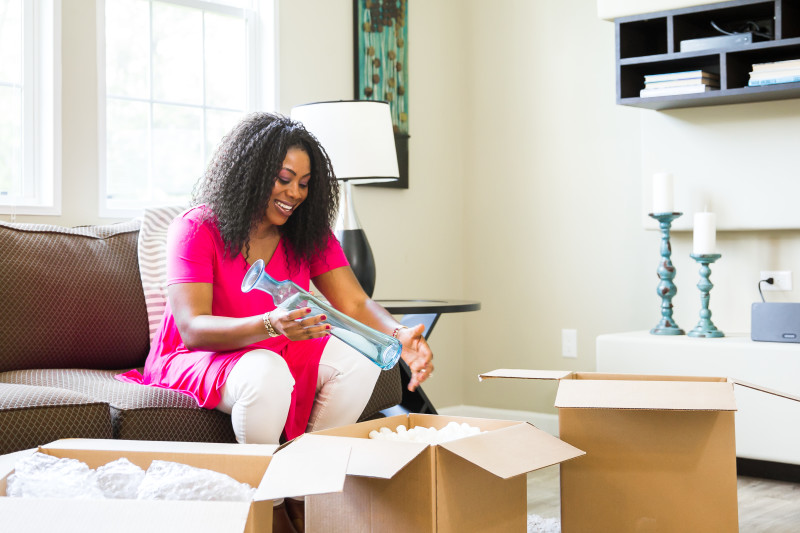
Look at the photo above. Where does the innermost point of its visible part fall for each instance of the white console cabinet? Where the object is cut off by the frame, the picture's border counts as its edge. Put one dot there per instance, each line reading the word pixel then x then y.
pixel 767 426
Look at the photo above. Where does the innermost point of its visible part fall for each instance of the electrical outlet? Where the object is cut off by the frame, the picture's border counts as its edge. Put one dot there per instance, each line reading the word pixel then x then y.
pixel 569 343
pixel 783 280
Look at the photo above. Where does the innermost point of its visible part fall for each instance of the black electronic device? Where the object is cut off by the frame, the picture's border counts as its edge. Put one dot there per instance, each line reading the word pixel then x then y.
pixel 775 322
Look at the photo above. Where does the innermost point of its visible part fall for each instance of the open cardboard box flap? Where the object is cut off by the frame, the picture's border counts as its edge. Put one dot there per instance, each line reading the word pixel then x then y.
pixel 766 390
pixel 367 457
pixel 589 390
pixel 513 450
pixel 634 391
pixel 380 458
pixel 667 395
pixel 522 373
pixel 312 464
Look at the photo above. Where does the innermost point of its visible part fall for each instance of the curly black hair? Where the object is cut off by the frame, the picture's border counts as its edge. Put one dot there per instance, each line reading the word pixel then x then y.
pixel 239 179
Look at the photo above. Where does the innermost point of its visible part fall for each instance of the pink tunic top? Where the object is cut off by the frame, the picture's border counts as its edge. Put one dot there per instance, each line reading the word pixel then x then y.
pixel 196 254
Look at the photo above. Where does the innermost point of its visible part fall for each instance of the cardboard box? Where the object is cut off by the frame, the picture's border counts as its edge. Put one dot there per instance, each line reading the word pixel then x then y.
pixel 660 450
pixel 247 463
pixel 470 484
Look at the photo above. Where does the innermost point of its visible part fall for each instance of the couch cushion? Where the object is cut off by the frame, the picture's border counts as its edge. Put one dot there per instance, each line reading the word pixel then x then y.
pixel 138 412
pixel 31 416
pixel 71 297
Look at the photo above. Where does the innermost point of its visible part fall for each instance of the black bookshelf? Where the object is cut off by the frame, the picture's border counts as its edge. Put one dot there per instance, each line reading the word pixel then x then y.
pixel 650 44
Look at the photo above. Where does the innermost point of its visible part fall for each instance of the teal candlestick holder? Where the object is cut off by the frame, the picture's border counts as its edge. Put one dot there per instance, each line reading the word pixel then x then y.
pixel 666 272
pixel 705 328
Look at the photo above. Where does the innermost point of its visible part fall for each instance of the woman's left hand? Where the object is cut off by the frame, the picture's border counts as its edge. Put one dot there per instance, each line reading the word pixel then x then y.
pixel 416 353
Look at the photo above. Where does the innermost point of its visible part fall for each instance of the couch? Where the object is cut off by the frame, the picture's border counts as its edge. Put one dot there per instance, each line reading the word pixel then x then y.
pixel 73 313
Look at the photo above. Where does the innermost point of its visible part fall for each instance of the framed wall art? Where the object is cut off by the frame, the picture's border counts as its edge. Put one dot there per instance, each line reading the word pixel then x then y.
pixel 381 67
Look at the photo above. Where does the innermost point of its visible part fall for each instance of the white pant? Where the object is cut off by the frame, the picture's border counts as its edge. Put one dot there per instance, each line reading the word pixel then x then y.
pixel 258 391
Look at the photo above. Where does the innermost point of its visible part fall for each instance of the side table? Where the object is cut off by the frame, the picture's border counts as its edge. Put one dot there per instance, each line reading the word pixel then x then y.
pixel 425 312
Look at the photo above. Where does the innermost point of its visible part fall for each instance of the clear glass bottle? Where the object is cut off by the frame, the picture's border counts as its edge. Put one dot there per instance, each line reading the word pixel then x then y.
pixel 383 350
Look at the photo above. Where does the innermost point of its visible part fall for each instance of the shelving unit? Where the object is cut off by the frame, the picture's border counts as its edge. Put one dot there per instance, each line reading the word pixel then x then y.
pixel 650 44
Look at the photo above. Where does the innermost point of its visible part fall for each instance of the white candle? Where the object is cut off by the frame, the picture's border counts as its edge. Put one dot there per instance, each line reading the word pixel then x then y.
pixel 705 234
pixel 662 193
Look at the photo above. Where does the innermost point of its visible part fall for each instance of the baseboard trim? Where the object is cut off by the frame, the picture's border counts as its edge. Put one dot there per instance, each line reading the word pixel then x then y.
pixel 768 469
pixel 544 421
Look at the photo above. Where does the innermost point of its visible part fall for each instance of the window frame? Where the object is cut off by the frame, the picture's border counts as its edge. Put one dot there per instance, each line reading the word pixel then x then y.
pixel 41 112
pixel 260 19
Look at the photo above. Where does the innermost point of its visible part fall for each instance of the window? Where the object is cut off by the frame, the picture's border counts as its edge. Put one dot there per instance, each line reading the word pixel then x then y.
pixel 178 74
pixel 29 107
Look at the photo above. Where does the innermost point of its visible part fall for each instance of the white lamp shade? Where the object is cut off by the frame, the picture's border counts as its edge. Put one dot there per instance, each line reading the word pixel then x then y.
pixel 357 135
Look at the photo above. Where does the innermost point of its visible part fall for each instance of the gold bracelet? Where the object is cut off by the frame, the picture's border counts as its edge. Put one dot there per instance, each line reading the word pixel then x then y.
pixel 268 324
pixel 397 329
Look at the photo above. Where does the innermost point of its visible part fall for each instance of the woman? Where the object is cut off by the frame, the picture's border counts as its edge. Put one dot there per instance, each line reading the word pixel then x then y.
pixel 269 193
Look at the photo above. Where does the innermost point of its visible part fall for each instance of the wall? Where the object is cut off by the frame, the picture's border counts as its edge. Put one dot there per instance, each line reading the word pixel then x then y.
pixel 750 168
pixel 554 237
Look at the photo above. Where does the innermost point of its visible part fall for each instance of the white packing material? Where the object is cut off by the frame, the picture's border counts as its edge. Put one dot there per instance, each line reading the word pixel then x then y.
pixel 426 435
pixel 166 480
pixel 120 479
pixel 39 475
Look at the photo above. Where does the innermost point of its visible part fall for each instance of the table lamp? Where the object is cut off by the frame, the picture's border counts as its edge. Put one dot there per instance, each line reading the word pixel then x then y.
pixel 359 139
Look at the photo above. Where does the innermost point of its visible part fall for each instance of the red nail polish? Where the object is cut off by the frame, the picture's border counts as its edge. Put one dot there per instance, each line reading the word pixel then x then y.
pixel 327 327
pixel 308 309
pixel 323 317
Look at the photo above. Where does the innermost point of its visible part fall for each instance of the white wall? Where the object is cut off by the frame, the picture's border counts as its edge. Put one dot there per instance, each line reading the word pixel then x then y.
pixel 525 183
pixel 554 240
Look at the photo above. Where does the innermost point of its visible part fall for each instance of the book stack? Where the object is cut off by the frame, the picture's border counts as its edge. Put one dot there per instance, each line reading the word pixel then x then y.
pixel 672 83
pixel 775 72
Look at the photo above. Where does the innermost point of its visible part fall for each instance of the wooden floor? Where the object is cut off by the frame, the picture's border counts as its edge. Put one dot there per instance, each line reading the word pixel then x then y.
pixel 765 506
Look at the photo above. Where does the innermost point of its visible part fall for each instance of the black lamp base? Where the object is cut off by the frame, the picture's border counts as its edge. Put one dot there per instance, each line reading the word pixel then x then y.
pixel 359 254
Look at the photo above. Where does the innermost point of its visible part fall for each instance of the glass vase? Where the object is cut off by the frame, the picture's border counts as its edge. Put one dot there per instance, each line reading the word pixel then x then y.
pixel 383 350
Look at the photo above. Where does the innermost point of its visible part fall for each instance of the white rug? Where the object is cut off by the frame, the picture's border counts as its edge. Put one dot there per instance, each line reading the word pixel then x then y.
pixel 537 524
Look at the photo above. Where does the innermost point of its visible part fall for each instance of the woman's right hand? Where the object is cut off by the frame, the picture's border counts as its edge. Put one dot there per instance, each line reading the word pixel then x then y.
pixel 297 325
